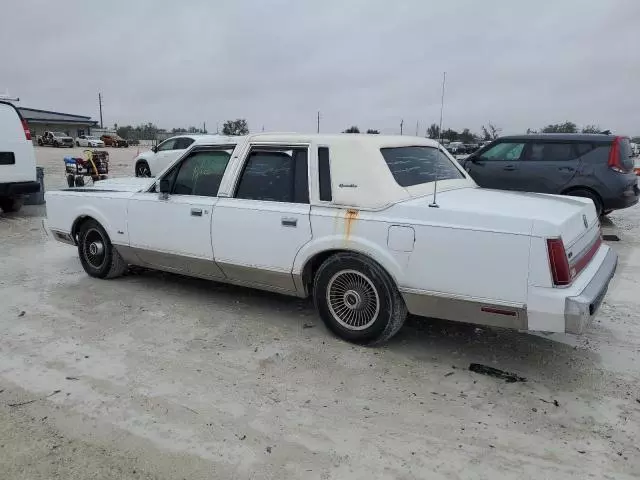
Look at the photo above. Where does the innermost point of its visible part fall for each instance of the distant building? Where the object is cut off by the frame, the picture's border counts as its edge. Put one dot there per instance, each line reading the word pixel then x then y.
pixel 41 120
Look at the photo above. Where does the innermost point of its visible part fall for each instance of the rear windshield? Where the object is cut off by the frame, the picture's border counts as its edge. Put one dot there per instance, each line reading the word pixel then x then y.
pixel 625 153
pixel 415 165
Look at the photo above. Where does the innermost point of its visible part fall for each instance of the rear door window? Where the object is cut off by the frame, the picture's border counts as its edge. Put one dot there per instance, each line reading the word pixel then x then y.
pixel 415 165
pixel 275 175
pixel 183 143
pixel 550 151
pixel 504 151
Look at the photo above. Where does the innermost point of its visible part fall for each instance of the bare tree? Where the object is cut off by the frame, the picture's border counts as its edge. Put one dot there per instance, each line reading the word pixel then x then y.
pixel 491 132
pixel 371 131
pixel 235 127
pixel 566 127
pixel 433 131
pixel 591 129
pixel 352 129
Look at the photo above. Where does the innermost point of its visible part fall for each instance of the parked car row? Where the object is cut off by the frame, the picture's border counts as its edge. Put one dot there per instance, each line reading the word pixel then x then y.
pixel 55 139
pixel 353 221
pixel 459 148
pixel 61 139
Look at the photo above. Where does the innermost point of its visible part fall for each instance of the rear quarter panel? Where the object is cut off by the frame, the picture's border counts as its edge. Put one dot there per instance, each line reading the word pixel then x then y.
pixel 470 263
pixel 354 230
pixel 64 207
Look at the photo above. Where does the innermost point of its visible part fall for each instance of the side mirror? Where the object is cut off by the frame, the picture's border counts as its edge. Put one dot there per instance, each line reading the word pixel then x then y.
pixel 165 186
pixel 154 149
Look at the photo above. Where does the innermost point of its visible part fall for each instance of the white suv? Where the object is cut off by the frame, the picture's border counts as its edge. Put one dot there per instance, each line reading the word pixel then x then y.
pixel 17 159
pixel 154 161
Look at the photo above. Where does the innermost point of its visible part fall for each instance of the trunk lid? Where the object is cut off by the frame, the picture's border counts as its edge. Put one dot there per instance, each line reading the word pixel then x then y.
pixel 537 214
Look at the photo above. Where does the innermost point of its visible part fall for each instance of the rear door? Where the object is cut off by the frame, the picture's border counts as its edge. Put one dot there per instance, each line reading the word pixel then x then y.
pixel 258 232
pixel 548 166
pixel 498 166
pixel 17 157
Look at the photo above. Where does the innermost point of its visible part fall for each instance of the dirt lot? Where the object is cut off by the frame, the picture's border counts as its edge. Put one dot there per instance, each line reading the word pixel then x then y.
pixel 159 376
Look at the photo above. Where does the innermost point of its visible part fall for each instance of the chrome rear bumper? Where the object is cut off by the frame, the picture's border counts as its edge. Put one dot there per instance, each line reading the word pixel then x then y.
pixel 581 309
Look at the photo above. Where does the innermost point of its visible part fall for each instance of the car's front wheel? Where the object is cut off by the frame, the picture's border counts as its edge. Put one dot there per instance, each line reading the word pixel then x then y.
pixel 357 299
pixel 77 144
pixel 98 256
pixel 142 169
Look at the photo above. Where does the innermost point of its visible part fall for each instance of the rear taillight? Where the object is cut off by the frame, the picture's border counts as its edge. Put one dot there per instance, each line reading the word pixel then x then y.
pixel 27 132
pixel 558 262
pixel 615 159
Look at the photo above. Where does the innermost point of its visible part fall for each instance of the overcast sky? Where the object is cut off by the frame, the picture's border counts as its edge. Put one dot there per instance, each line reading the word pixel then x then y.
pixel 369 63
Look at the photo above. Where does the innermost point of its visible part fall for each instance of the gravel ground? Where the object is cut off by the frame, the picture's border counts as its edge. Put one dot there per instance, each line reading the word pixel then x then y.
pixel 160 376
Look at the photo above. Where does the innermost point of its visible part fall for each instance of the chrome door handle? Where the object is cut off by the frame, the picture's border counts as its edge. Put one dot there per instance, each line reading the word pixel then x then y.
pixel 196 212
pixel 289 222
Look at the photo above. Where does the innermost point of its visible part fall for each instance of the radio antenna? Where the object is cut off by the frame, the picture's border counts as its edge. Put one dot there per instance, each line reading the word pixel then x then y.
pixel 434 204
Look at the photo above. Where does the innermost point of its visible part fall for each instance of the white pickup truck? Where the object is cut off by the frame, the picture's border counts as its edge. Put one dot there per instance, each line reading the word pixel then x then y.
pixel 353 221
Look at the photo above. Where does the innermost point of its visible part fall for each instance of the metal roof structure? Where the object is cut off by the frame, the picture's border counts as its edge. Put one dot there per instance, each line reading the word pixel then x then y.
pixel 33 115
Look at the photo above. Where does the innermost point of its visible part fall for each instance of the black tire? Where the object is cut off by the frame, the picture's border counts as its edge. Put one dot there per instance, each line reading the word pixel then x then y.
pixel 97 255
pixel 55 144
pixel 77 144
pixel 79 181
pixel 370 296
pixel 39 142
pixel 71 181
pixel 142 169
pixel 10 204
pixel 595 198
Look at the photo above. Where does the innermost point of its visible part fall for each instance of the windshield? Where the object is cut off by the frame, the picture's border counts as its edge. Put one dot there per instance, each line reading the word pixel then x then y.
pixel 59 134
pixel 415 165
pixel 93 138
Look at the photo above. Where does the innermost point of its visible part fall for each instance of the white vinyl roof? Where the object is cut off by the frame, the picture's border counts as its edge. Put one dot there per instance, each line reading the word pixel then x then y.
pixel 360 177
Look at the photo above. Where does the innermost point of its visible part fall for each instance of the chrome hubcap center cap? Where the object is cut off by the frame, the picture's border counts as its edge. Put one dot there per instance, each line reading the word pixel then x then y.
pixel 352 299
pixel 96 248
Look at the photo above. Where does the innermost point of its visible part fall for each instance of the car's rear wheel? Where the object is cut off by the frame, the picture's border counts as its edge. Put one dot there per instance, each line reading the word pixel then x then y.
pixel 595 198
pixel 357 299
pixel 98 256
pixel 142 169
pixel 10 204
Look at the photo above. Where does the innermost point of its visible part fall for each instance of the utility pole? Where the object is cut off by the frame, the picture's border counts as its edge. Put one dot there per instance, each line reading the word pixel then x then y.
pixel 318 129
pixel 401 125
pixel 204 127
pixel 417 127
pixel 100 104
pixel 217 128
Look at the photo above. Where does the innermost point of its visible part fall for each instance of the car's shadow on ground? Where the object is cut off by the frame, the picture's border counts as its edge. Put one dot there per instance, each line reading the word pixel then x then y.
pixel 421 339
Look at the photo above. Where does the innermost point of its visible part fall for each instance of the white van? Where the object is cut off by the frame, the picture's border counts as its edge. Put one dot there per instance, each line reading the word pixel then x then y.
pixel 17 159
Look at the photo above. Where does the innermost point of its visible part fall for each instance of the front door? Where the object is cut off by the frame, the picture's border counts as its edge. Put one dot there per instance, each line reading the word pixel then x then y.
pixel 258 232
pixel 498 167
pixel 174 233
